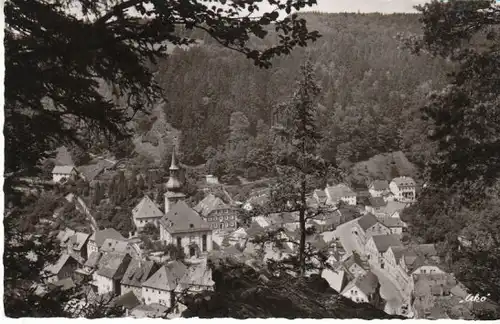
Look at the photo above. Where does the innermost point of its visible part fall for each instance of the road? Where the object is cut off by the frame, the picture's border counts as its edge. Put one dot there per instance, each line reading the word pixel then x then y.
pixel 388 289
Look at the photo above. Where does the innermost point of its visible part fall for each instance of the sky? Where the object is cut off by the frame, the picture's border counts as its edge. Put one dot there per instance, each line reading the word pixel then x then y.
pixel 364 6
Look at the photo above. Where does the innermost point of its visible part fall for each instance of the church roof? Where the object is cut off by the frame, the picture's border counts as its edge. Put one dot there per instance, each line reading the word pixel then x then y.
pixel 183 219
pixel 146 209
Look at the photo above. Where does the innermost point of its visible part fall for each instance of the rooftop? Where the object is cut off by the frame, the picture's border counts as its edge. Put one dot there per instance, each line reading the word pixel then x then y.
pixel 404 182
pixel 338 191
pixel 209 204
pixel 183 219
pixel 379 185
pixel 146 208
pixel 167 277
pixel 138 272
pixel 367 221
pixel 109 233
pixel 383 242
pixel 113 265
pixel 63 169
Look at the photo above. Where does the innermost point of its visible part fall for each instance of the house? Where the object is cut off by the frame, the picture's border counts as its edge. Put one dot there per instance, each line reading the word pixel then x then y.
pixel 355 266
pixel 377 245
pixel 428 291
pixel 62 173
pixel 137 273
pixel 128 302
pixel 364 289
pixel 375 205
pixel 197 278
pixel 63 268
pixel 394 257
pixel 217 213
pixel 238 237
pixel 320 196
pixel 366 226
pixel 378 188
pixel 338 193
pixel 88 268
pixel 97 239
pixel 146 212
pixel 337 279
pixel 396 225
pixel 391 209
pixel 257 199
pixel 424 261
pixel 160 287
pixel 403 189
pixel 110 271
pixel 118 246
pixel 211 179
pixel 77 244
pixel 89 172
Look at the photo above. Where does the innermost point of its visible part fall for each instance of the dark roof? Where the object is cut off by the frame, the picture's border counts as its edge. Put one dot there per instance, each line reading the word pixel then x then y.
pixel 383 242
pixel 377 202
pixel 181 218
pixel 255 229
pixel 354 259
pixel 367 221
pixel 113 265
pixel 91 171
pixel 63 169
pixel 367 283
pixel 392 222
pixel 108 233
pixel 138 272
pixel 128 300
pixel 167 277
pixel 61 262
pixel 379 185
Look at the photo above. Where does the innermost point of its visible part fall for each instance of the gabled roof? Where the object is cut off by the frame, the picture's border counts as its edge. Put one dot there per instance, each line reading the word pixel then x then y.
pixel 367 283
pixel 146 208
pixel 128 301
pixel 377 202
pixel 379 185
pixel 320 194
pixel 167 277
pixel 383 242
pixel 138 272
pixel 209 204
pixel 392 222
pixel 354 259
pixel 61 262
pixel 392 206
pixel 100 236
pixel 63 169
pixel 183 219
pixel 404 182
pixel 113 265
pixel 112 245
pixel 196 275
pixel 91 171
pixel 255 229
pixel 78 240
pixel 339 191
pixel 367 221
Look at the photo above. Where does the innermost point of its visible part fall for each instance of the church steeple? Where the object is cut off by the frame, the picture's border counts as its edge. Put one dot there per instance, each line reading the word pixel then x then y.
pixel 174 184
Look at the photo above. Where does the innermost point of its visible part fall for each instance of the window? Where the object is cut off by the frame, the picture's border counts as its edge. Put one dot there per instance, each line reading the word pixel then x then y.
pixel 179 242
pixel 221 225
pixel 424 271
pixel 204 242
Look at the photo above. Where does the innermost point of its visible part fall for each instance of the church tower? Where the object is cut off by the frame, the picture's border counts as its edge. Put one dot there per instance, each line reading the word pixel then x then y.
pixel 174 185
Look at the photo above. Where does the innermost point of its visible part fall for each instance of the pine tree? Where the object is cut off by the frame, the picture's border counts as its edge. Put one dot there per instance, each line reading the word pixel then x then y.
pixel 298 164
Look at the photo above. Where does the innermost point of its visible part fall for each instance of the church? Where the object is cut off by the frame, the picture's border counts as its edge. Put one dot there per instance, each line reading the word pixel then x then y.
pixel 181 225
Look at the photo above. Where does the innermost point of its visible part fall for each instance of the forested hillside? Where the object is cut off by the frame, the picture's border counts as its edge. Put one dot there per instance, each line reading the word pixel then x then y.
pixel 372 92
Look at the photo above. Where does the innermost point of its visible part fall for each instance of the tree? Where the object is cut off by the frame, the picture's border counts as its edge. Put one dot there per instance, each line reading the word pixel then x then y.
pixel 298 164
pixel 59 63
pixel 152 231
pixel 462 178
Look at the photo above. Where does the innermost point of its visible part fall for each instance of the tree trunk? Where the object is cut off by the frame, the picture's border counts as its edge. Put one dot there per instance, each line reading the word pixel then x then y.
pixel 302 220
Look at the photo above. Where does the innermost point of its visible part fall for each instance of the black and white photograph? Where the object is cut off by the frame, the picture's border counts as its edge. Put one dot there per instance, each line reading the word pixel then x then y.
pixel 251 159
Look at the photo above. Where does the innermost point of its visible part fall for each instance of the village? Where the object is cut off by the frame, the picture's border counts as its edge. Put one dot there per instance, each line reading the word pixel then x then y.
pixel 370 255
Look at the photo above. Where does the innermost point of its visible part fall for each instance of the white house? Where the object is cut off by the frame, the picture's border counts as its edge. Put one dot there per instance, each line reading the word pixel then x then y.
pixel 145 212
pixel 403 189
pixel 160 287
pixel 63 173
pixel 338 193
pixel 378 188
pixel 377 245
pixel 110 271
pixel 362 289
pixel 396 225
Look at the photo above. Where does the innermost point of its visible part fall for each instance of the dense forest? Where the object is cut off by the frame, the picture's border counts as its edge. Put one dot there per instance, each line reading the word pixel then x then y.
pixel 371 98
